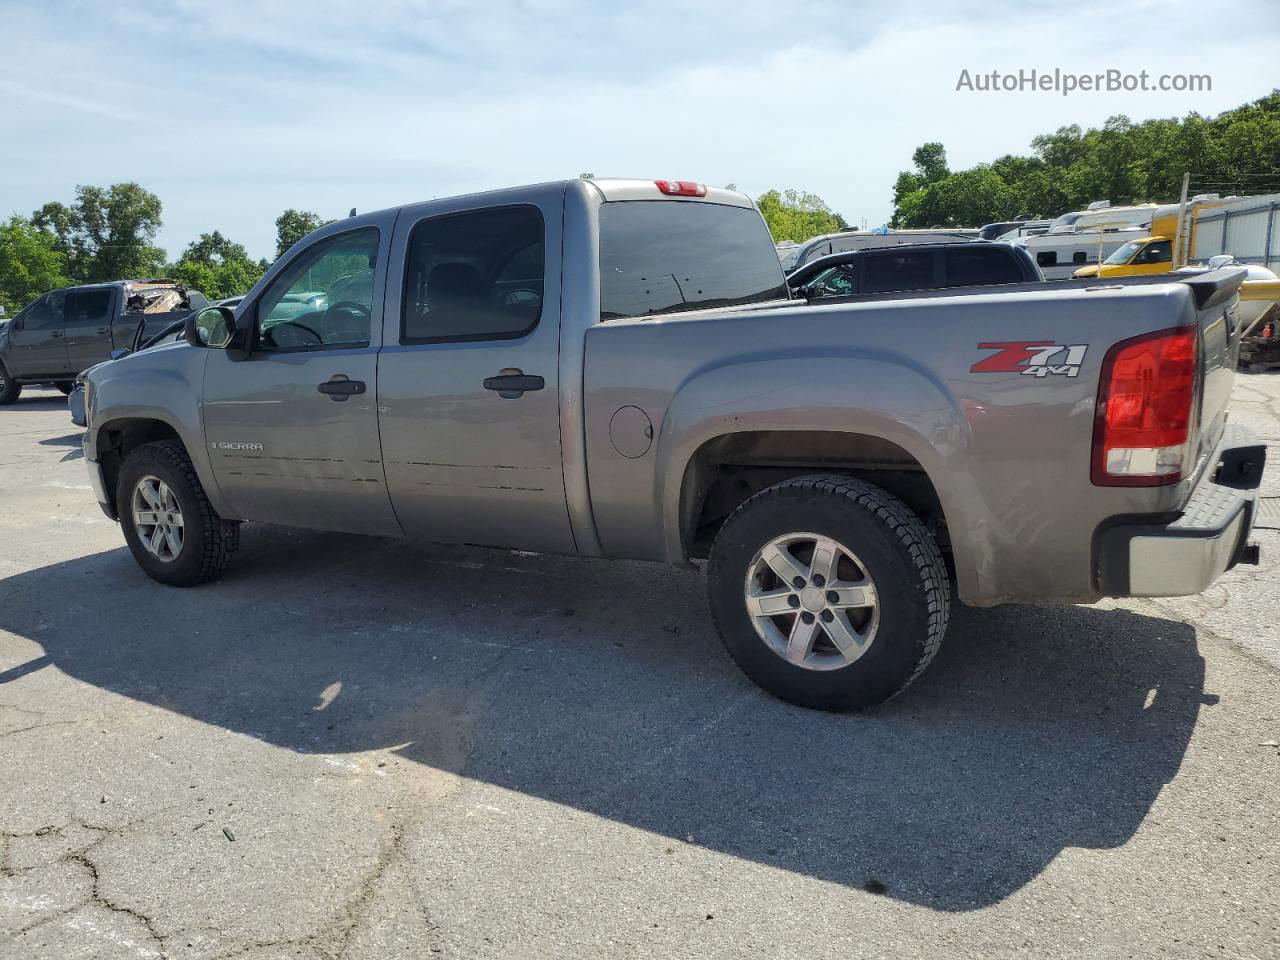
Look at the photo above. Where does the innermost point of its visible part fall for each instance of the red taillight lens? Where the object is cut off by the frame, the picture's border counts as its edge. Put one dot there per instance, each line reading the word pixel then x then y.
pixel 682 188
pixel 1146 397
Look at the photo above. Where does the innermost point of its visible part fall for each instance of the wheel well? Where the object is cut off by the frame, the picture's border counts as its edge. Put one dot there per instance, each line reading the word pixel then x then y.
pixel 119 438
pixel 729 469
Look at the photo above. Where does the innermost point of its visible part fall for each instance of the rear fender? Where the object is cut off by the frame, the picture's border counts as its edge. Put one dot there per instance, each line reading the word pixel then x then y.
pixel 858 392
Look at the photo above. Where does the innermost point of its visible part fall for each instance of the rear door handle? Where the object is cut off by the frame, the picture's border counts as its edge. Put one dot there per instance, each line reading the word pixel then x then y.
pixel 55 333
pixel 339 387
pixel 512 383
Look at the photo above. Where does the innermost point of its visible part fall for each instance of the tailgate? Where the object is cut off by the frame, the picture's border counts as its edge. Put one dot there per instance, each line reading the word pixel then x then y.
pixel 1215 295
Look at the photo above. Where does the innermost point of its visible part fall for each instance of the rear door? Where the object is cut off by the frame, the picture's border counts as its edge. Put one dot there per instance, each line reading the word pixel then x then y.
pixel 37 341
pixel 293 429
pixel 468 390
pixel 87 316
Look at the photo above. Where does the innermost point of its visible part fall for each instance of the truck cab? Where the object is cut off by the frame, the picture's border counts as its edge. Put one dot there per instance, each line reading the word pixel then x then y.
pixel 1137 258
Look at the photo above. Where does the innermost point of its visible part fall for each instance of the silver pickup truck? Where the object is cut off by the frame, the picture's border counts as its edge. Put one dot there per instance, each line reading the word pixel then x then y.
pixel 615 368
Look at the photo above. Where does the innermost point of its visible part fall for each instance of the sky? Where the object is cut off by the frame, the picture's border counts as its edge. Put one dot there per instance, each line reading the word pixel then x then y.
pixel 232 111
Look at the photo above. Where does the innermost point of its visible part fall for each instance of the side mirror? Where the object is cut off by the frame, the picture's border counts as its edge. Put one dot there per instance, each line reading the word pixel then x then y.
pixel 210 327
pixel 120 353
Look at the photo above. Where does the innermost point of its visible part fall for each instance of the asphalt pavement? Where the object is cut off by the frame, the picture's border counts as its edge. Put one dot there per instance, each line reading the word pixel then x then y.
pixel 361 748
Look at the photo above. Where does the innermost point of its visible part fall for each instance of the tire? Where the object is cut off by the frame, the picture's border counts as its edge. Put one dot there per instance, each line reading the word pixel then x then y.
pixel 10 389
pixel 206 541
pixel 65 388
pixel 886 557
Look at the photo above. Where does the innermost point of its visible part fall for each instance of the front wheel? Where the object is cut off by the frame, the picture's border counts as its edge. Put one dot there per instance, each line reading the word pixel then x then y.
pixel 10 389
pixel 171 528
pixel 65 388
pixel 828 592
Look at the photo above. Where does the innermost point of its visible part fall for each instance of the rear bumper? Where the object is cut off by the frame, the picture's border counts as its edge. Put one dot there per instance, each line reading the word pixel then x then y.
pixel 1183 556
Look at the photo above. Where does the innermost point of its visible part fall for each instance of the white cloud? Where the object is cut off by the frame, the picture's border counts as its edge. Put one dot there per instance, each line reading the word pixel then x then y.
pixel 233 111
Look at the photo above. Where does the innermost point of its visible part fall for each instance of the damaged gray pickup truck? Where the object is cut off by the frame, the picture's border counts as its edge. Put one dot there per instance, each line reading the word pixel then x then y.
pixel 615 368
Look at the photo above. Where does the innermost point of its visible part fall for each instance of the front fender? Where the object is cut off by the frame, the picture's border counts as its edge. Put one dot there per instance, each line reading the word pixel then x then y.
pixel 163 384
pixel 871 393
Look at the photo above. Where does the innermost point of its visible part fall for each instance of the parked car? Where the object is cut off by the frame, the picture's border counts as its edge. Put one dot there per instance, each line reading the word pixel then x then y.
pixel 919 267
pixel 615 368
pixel 69 330
pixel 850 240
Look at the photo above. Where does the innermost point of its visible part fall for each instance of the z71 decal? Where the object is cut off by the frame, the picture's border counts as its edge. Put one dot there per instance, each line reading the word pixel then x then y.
pixel 1032 358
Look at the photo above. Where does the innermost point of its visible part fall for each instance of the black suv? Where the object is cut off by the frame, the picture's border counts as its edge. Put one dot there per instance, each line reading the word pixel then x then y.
pixel 897 269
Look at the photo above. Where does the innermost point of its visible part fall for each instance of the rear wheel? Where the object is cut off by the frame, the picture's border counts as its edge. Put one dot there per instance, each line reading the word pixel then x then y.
pixel 828 592
pixel 10 389
pixel 172 530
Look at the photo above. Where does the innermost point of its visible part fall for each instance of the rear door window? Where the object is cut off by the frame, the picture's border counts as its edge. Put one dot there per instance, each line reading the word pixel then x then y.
pixel 898 270
pixel 87 306
pixel 665 256
pixel 975 267
pixel 474 276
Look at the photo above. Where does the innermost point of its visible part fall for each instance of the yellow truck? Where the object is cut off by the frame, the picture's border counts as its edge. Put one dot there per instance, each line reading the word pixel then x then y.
pixel 1154 254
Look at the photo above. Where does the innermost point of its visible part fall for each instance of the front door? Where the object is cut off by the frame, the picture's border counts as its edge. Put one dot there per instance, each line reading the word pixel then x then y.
pixel 467 381
pixel 87 317
pixel 293 429
pixel 37 341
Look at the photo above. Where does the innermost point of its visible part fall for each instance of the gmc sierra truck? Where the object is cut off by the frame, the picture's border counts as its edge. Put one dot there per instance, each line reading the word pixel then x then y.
pixel 615 368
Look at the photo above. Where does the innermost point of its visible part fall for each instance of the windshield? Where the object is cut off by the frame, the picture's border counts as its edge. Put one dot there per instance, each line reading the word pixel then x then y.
pixel 663 256
pixel 1124 253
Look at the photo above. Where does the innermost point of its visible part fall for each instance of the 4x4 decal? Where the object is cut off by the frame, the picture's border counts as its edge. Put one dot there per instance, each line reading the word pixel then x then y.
pixel 1032 358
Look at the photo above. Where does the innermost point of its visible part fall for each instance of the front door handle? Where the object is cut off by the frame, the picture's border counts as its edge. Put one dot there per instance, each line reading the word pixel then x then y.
pixel 512 383
pixel 339 387
pixel 55 333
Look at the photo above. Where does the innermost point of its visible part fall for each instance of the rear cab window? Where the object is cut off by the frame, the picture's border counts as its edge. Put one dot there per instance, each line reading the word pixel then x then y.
pixel 667 256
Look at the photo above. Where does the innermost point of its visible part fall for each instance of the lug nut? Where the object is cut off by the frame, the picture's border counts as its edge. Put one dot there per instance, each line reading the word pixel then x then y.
pixel 807 617
pixel 827 616
pixel 819 580
pixel 798 583
pixel 833 597
pixel 793 600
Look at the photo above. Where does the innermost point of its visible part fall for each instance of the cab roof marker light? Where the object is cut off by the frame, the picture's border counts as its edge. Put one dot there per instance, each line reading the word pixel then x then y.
pixel 682 188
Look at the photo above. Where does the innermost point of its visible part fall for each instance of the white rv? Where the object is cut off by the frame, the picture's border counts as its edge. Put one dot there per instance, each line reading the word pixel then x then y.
pixel 1083 237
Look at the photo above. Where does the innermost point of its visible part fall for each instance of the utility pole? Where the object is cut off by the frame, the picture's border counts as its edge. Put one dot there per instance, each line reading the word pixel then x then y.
pixel 1179 253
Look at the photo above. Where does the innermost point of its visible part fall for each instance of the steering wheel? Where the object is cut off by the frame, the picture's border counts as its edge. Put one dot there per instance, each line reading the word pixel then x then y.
pixel 271 332
pixel 350 306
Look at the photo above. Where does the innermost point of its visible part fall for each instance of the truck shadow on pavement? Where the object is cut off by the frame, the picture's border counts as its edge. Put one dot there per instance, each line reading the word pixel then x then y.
pixel 602 686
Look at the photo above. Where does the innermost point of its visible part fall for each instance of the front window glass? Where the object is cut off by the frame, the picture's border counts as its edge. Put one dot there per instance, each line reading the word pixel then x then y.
pixel 324 298
pixel 1124 253
pixel 45 314
pixel 664 256
pixel 1159 252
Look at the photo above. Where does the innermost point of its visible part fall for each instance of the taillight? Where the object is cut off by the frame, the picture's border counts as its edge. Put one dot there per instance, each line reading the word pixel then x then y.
pixel 1146 397
pixel 682 188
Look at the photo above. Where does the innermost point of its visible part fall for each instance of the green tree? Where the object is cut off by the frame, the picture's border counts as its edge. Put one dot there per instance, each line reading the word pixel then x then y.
pixel 106 233
pixel 30 264
pixel 293 225
pixel 217 267
pixel 1237 152
pixel 796 215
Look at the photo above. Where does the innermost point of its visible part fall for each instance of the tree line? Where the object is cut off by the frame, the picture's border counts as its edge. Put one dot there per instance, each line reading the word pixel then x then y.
pixel 1236 152
pixel 108 233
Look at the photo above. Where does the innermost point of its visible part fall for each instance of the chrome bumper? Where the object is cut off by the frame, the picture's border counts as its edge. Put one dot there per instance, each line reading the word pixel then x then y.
pixel 1186 555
